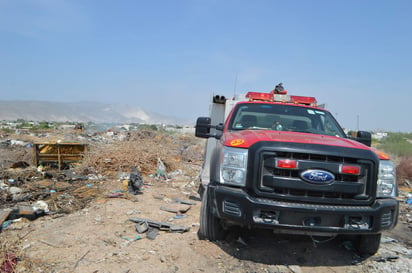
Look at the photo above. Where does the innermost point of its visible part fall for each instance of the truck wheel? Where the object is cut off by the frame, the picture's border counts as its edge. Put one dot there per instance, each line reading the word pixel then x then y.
pixel 210 227
pixel 368 245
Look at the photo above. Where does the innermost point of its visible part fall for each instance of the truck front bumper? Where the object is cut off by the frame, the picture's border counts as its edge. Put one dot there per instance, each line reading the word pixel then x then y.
pixel 235 207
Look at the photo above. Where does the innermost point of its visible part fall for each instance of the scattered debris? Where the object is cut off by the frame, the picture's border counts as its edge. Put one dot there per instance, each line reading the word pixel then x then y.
pixel 161 169
pixel 175 207
pixel 388 258
pixel 137 237
pixel 179 216
pixel 187 202
pixel 135 181
pixel 48 243
pixel 409 199
pixel 114 195
pixel 4 214
pixel 241 241
pixel 20 164
pixel 41 206
pixel 142 227
pixel 81 258
pixel 152 233
pixel 151 228
pixel 161 225
pixel 120 194
pixel 9 263
pixel 5 224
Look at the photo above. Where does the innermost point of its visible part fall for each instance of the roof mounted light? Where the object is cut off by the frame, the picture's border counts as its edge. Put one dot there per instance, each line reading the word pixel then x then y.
pixel 304 100
pixel 280 95
pixel 252 96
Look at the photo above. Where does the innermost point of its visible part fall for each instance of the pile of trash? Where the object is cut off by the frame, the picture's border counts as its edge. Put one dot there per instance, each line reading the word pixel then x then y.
pixel 26 193
pixel 405 197
pixel 157 156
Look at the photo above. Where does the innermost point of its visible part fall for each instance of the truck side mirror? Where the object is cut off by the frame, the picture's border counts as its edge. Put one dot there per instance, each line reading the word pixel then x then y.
pixel 364 137
pixel 203 125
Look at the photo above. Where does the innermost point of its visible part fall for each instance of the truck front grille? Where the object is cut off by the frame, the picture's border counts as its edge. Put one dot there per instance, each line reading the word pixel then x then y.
pixel 287 184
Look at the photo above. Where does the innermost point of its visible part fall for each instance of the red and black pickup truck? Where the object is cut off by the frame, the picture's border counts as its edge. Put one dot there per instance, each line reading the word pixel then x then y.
pixel 281 162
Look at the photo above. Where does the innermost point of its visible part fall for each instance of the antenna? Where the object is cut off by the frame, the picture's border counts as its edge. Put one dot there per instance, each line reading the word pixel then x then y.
pixel 234 87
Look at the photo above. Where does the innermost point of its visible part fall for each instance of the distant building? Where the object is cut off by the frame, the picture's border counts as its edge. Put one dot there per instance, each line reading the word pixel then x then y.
pixel 379 135
pixel 67 127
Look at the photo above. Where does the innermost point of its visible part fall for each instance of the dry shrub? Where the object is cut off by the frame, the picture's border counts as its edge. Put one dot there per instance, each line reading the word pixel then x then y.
pixel 10 155
pixel 9 252
pixel 141 149
pixel 12 255
pixel 404 170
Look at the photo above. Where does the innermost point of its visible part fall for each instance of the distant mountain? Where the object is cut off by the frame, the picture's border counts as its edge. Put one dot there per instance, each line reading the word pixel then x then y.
pixel 80 112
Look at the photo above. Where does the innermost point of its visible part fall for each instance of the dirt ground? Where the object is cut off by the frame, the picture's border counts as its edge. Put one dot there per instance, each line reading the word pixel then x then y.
pixel 98 235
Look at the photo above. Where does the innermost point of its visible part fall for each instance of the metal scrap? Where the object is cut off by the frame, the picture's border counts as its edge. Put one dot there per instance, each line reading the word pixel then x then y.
pixel 161 225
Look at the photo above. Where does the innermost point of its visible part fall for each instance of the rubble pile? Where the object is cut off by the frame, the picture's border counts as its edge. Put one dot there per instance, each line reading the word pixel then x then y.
pixel 65 191
pixel 150 153
pixel 28 191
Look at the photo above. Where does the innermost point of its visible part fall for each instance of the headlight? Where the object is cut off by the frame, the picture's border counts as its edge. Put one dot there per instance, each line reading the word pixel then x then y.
pixel 233 166
pixel 387 186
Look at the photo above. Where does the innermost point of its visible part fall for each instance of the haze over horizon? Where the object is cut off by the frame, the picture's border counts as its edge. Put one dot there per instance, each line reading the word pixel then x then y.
pixel 170 57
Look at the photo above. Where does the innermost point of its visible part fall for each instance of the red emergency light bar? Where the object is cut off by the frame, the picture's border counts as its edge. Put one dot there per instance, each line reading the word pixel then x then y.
pixel 259 96
pixel 303 100
pixel 272 97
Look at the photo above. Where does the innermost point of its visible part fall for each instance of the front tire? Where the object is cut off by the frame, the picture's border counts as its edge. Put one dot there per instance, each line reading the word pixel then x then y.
pixel 210 226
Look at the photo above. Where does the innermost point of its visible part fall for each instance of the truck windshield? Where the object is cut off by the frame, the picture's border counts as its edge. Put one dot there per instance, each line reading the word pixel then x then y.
pixel 283 117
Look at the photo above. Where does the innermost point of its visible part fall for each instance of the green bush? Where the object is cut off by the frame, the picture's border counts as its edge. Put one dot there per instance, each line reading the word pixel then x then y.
pixel 397 144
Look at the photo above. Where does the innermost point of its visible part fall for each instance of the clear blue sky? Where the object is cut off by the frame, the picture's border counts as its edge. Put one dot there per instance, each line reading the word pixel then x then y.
pixel 170 57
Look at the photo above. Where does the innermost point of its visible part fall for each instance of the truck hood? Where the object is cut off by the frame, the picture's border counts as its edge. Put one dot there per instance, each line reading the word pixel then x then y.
pixel 246 138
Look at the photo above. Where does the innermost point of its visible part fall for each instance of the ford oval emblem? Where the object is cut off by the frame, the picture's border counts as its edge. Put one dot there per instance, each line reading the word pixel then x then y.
pixel 317 177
